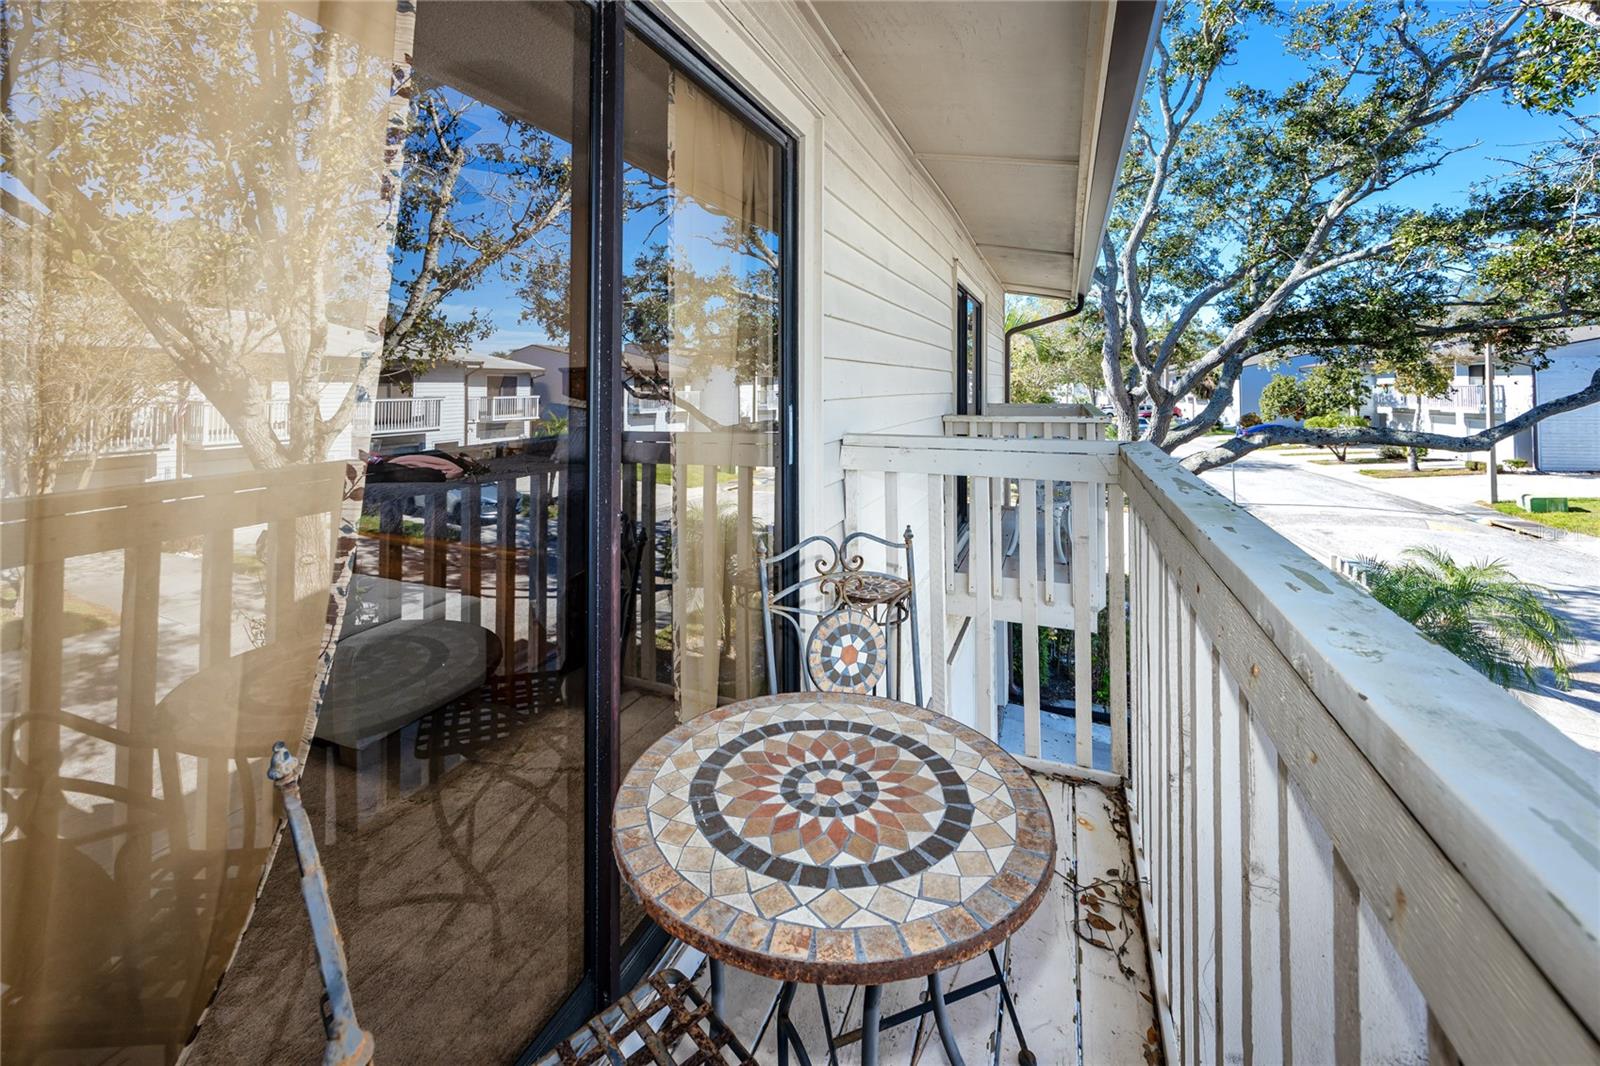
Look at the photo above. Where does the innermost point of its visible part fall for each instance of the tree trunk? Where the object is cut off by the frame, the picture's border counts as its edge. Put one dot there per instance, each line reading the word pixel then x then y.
pixel 1411 459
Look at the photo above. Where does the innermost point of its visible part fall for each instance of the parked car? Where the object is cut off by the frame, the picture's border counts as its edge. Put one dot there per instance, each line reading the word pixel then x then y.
pixel 488 504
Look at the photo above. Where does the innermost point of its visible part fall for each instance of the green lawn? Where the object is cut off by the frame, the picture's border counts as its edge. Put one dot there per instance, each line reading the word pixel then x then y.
pixel 1354 460
pixel 1449 471
pixel 697 475
pixel 1582 515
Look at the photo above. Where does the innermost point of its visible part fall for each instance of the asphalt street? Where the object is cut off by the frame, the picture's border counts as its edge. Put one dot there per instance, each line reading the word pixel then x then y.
pixel 1331 518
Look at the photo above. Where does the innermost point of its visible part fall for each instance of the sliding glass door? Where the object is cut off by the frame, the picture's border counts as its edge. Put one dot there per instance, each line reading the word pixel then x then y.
pixel 479 384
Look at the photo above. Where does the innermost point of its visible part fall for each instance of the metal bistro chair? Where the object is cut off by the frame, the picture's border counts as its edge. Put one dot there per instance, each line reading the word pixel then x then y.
pixel 856 617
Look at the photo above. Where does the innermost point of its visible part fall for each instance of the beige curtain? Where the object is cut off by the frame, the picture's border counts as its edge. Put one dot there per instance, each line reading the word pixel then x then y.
pixel 721 176
pixel 194 222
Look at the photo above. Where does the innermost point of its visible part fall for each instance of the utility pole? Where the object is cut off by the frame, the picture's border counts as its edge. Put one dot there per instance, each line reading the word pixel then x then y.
pixel 1488 417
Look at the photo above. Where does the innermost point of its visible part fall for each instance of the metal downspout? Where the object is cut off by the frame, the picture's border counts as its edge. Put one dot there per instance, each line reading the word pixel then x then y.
pixel 1023 327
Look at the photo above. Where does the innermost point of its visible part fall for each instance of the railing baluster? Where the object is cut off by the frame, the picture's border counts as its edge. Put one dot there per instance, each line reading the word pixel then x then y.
pixel 434 547
pixel 647 579
pixel 712 564
pixel 505 577
pixel 985 518
pixel 541 641
pixel 471 553
pixel 745 672
pixel 1082 620
pixel 934 552
pixel 1117 638
pixel 1027 579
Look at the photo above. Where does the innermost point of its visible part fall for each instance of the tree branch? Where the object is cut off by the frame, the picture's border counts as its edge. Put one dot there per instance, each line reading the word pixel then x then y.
pixel 1267 435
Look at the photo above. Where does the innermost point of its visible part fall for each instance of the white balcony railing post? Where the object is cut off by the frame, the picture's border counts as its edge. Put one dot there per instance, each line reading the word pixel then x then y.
pixel 1324 804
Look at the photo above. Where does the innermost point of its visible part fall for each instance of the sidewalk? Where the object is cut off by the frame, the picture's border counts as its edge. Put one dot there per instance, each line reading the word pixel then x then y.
pixel 1459 495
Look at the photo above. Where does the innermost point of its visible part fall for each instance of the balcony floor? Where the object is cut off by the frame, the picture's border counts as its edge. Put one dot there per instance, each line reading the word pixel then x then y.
pixel 1079 973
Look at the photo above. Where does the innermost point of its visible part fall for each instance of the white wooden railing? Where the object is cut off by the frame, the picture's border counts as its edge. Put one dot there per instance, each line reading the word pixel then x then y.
pixel 1351 846
pixel 1035 554
pixel 406 414
pixel 205 427
pixel 1458 397
pixel 125 432
pixel 507 408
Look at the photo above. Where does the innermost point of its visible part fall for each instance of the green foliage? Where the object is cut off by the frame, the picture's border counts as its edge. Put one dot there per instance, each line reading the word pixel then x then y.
pixel 1335 388
pixel 1267 219
pixel 1249 420
pixel 1393 452
pixel 1335 422
pixel 1499 625
pixel 1283 397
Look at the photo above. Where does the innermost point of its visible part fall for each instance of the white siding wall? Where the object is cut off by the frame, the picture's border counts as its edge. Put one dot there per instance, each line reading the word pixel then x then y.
pixel 1570 443
pixel 881 251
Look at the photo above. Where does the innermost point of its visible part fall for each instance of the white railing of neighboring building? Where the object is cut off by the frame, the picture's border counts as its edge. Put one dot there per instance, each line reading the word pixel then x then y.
pixel 1457 397
pixel 204 426
pixel 127 432
pixel 507 408
pixel 406 414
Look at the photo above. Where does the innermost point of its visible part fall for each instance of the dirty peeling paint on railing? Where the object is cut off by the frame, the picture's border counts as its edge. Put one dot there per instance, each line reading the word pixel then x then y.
pixel 1352 847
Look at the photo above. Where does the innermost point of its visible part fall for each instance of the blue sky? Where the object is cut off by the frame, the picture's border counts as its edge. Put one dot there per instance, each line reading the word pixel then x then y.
pixel 1491 129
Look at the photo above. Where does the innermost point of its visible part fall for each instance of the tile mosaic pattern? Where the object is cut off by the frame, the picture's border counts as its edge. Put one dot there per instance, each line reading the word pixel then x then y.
pixel 846 652
pixel 833 837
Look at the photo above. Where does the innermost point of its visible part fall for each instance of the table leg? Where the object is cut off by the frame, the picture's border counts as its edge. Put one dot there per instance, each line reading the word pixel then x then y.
pixel 1024 1056
pixel 870 1015
pixel 941 1018
pixel 785 998
pixel 718 986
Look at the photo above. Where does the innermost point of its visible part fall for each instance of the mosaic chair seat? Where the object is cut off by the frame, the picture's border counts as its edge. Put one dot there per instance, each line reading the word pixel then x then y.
pixel 852 623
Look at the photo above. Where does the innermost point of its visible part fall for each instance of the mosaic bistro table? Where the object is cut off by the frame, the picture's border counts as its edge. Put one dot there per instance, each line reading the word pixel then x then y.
pixel 836 839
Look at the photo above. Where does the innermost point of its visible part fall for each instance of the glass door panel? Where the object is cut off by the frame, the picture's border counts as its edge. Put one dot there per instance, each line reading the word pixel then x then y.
pixel 446 780
pixel 701 409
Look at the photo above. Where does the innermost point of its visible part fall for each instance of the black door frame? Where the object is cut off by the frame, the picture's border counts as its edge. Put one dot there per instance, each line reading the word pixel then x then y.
pixel 610 966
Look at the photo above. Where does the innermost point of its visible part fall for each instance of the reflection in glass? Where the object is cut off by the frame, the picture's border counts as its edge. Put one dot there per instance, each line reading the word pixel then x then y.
pixel 193 266
pixel 447 774
pixel 700 374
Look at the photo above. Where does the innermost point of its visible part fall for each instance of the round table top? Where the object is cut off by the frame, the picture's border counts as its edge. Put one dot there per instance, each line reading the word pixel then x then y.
pixel 833 838
pixel 388 675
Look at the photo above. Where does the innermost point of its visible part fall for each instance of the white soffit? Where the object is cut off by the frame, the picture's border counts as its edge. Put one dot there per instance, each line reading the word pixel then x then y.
pixel 1005 105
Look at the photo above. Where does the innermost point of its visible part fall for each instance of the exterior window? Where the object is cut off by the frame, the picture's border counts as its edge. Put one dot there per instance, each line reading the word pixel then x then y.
pixel 969 384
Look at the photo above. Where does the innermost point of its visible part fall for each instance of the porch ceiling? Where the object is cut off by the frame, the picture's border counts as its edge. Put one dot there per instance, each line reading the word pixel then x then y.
pixel 1018 110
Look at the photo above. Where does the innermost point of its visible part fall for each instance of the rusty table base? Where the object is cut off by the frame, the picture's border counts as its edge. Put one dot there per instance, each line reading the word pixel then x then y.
pixel 872 1021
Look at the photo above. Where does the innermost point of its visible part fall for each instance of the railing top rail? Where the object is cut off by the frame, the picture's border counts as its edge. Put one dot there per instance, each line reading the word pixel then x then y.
pixel 1034 410
pixel 1509 800
pixel 1046 417
pixel 1052 459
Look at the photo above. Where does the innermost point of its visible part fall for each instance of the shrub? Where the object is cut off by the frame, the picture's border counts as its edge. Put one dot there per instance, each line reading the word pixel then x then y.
pixel 1283 398
pixel 1336 422
pixel 1396 451
pixel 1475 465
pixel 1249 420
pixel 1517 464
pixel 1499 625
